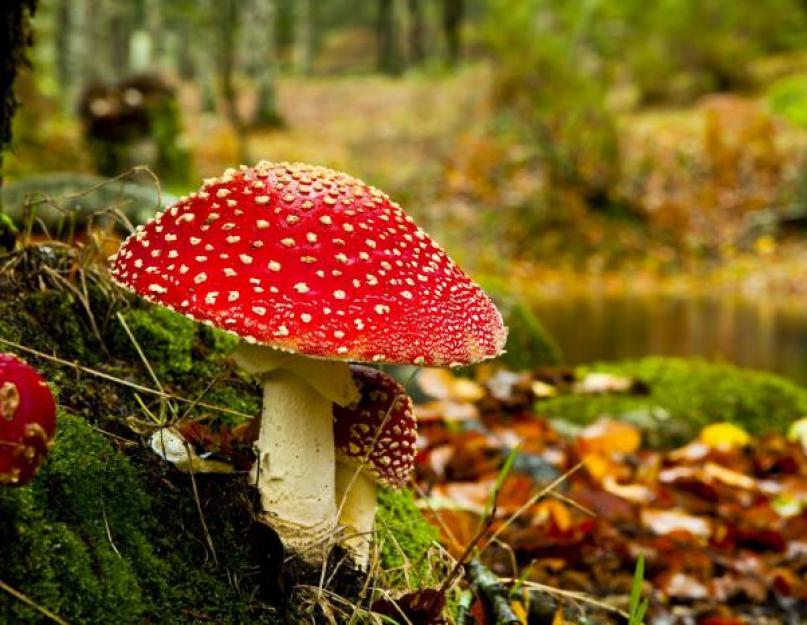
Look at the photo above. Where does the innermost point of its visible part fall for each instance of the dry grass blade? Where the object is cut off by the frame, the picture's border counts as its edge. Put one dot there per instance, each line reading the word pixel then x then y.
pixel 32 604
pixel 122 382
pixel 531 502
pixel 139 351
pixel 208 537
pixel 485 523
pixel 566 594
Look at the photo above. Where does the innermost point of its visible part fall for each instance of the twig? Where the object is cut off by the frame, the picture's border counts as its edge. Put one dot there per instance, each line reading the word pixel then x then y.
pixel 493 592
pixel 485 523
pixel 464 607
pixel 32 604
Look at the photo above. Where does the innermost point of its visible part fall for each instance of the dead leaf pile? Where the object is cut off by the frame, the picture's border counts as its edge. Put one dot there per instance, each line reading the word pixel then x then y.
pixel 721 522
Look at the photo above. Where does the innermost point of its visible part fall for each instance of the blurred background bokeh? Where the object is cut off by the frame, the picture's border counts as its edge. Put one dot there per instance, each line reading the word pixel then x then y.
pixel 630 172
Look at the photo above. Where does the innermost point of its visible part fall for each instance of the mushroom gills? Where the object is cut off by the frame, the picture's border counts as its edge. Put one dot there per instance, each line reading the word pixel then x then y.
pixel 295 449
pixel 356 494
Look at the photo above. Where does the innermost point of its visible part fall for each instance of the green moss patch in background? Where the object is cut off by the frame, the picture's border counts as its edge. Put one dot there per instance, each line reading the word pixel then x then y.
pixel 685 395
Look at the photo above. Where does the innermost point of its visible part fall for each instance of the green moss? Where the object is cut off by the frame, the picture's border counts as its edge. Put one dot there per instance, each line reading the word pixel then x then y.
pixel 684 396
pixel 100 538
pixel 165 338
pixel 405 536
pixel 107 532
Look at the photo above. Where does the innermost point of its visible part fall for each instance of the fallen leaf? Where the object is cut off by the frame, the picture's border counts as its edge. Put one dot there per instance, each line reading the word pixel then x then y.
pixel 422 607
pixel 609 437
pixel 666 521
pixel 724 436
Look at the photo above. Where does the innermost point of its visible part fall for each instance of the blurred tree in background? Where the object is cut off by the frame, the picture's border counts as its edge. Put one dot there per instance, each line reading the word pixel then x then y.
pixel 559 149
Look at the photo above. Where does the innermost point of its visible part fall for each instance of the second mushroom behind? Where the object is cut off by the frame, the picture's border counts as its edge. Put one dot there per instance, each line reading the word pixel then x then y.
pixel 312 269
pixel 375 441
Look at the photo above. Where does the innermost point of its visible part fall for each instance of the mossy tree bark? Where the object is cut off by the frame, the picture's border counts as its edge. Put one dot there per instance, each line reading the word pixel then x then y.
pixel 17 36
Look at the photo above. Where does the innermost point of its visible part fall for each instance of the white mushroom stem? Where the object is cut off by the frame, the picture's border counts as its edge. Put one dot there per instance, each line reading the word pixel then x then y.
pixel 295 451
pixel 356 498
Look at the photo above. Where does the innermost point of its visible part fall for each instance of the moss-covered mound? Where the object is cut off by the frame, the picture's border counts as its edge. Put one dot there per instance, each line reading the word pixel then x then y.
pixel 684 395
pixel 107 532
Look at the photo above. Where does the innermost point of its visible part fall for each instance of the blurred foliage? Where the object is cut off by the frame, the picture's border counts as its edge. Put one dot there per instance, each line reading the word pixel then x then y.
pixel 529 344
pixel 788 97
pixel 684 396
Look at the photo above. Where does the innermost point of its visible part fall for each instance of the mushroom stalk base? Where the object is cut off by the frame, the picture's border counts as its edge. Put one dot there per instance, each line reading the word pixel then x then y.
pixel 358 506
pixel 295 450
pixel 295 467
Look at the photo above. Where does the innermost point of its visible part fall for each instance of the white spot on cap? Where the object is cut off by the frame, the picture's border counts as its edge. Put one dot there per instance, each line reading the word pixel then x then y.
pixel 339 294
pixel 200 277
pixel 245 258
pixel 301 287
pixel 274 265
pixel 305 317
pixel 156 288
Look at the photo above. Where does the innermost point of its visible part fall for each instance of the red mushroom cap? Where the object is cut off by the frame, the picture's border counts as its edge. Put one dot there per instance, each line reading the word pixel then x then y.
pixel 27 420
pixel 381 423
pixel 310 260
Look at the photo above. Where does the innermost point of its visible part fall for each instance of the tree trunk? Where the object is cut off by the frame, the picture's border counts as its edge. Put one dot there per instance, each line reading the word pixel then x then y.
pixel 64 25
pixel 417 48
pixel 453 12
pixel 303 37
pixel 154 27
pixel 76 61
pixel 118 35
pixel 261 59
pixel 16 36
pixel 389 58
pixel 227 49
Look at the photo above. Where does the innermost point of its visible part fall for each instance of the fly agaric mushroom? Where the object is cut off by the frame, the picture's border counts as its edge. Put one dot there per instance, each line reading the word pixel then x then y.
pixel 375 442
pixel 27 420
pixel 311 268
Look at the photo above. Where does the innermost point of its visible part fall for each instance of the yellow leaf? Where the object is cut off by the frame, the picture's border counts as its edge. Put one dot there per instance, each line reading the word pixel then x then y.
pixel 724 436
pixel 520 612
pixel 559 620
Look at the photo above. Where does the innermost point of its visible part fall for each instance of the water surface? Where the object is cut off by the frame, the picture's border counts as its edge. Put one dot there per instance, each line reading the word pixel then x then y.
pixel 762 334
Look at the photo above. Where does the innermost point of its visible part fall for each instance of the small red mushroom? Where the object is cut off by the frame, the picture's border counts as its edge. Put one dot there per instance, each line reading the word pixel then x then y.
pixel 312 268
pixel 375 441
pixel 27 421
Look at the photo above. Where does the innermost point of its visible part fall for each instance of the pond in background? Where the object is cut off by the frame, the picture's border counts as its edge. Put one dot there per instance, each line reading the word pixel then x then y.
pixel 765 334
